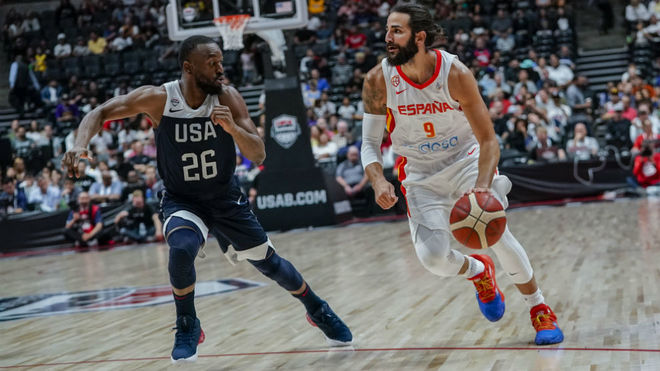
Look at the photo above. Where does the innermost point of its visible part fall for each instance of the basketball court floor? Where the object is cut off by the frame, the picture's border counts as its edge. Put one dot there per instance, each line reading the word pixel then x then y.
pixel 598 265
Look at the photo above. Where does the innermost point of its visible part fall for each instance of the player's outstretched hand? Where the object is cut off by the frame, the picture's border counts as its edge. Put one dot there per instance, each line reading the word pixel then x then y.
pixel 221 115
pixel 72 158
pixel 384 193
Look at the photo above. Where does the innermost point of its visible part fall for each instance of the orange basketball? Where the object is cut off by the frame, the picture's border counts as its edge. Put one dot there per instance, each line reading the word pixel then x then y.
pixel 477 220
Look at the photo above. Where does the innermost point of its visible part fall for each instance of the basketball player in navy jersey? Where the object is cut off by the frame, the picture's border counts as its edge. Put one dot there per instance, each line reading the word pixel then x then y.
pixel 198 121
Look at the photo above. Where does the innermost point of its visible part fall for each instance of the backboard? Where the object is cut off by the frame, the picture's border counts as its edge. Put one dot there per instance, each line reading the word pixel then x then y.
pixel 186 18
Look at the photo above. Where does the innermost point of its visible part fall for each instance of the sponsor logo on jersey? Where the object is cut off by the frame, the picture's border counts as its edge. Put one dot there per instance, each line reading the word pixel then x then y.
pixel 436 146
pixel 396 81
pixel 424 108
pixel 285 130
pixel 108 299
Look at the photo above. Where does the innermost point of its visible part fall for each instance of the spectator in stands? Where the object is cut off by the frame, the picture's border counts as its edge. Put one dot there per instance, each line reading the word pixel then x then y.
pixel 501 24
pixel 311 93
pixel 133 182
pixel 84 223
pixel 481 52
pixel 96 44
pixel 581 146
pixel 356 39
pixel 636 11
pixel 647 167
pixel 346 110
pixel 23 146
pixel 629 113
pixel 136 156
pixel 350 174
pixel 326 106
pixel 138 223
pixel 51 93
pixel 66 112
pixel 321 82
pixel 520 140
pixel 64 10
pixel 84 181
pixel 343 137
pixel 619 128
pixel 248 66
pixel 505 42
pixel 647 138
pixel 108 190
pixel 325 150
pixel 44 197
pixel 81 49
pixel 545 149
pixel 23 85
pixel 578 97
pixel 342 72
pixel 558 72
pixel 63 48
pixel 523 80
pixel 12 198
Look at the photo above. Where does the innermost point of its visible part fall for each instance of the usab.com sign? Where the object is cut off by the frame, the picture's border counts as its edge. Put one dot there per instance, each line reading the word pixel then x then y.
pixel 285 130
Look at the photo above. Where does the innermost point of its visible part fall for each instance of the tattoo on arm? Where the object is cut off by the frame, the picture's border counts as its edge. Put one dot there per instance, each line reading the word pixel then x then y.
pixel 373 96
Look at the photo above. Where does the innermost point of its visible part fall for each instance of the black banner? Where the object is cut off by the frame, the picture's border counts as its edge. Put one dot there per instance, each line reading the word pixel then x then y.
pixel 287 134
pixel 559 180
pixel 299 198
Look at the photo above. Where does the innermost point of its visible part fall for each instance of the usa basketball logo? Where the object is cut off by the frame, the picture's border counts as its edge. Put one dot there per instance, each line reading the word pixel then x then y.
pixel 396 81
pixel 174 101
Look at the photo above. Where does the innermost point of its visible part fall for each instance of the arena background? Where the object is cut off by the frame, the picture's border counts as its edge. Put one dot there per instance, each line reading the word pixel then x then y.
pixel 542 66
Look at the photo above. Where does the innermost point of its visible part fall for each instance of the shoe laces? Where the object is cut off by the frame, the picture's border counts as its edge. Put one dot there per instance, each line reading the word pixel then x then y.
pixel 184 333
pixel 544 320
pixel 485 288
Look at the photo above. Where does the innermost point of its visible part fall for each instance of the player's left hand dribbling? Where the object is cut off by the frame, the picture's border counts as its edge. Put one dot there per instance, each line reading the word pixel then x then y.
pixel 221 115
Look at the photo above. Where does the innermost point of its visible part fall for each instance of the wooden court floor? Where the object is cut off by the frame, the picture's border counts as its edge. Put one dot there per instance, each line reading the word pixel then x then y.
pixel 598 265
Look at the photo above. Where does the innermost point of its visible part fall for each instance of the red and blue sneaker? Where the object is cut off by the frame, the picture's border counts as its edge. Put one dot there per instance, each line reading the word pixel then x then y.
pixel 489 296
pixel 545 324
pixel 189 334
pixel 335 330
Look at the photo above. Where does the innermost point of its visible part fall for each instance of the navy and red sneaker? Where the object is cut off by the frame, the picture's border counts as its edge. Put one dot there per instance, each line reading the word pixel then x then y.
pixel 188 335
pixel 335 330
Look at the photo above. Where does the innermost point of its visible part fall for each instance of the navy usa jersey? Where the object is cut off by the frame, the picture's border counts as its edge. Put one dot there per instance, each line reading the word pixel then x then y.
pixel 196 158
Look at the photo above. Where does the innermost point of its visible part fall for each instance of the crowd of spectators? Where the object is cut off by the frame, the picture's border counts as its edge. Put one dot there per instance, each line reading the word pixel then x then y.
pixel 522 53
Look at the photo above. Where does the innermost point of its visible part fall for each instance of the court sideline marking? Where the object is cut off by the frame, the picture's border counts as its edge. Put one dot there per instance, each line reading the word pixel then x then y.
pixel 632 350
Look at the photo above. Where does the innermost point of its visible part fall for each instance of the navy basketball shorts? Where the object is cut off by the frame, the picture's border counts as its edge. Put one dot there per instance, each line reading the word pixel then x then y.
pixel 228 218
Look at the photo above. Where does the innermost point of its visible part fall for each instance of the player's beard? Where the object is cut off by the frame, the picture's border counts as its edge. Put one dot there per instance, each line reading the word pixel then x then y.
pixel 210 87
pixel 404 54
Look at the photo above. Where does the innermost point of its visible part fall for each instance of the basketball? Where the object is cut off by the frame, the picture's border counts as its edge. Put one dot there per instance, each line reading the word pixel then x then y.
pixel 477 220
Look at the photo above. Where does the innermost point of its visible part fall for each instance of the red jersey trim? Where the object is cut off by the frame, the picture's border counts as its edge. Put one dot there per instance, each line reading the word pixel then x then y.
pixel 402 177
pixel 438 64
pixel 390 124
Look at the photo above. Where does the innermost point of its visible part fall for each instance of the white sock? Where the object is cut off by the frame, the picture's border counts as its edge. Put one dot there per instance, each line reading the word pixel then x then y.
pixel 474 267
pixel 534 299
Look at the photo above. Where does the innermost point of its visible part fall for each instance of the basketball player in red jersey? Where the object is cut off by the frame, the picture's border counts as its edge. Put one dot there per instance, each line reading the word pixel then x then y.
pixel 430 103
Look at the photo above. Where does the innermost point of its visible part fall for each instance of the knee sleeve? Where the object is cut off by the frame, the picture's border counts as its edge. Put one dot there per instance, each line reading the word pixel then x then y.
pixel 184 240
pixel 432 247
pixel 279 270
pixel 513 258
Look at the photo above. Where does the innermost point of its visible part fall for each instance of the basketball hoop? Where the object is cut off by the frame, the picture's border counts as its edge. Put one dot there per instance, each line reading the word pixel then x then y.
pixel 231 29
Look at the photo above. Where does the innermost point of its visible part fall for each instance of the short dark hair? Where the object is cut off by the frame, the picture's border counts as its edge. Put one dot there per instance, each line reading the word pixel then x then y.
pixel 189 44
pixel 420 20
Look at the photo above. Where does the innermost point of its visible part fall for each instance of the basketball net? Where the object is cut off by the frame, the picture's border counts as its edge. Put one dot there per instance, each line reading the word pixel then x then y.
pixel 231 29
